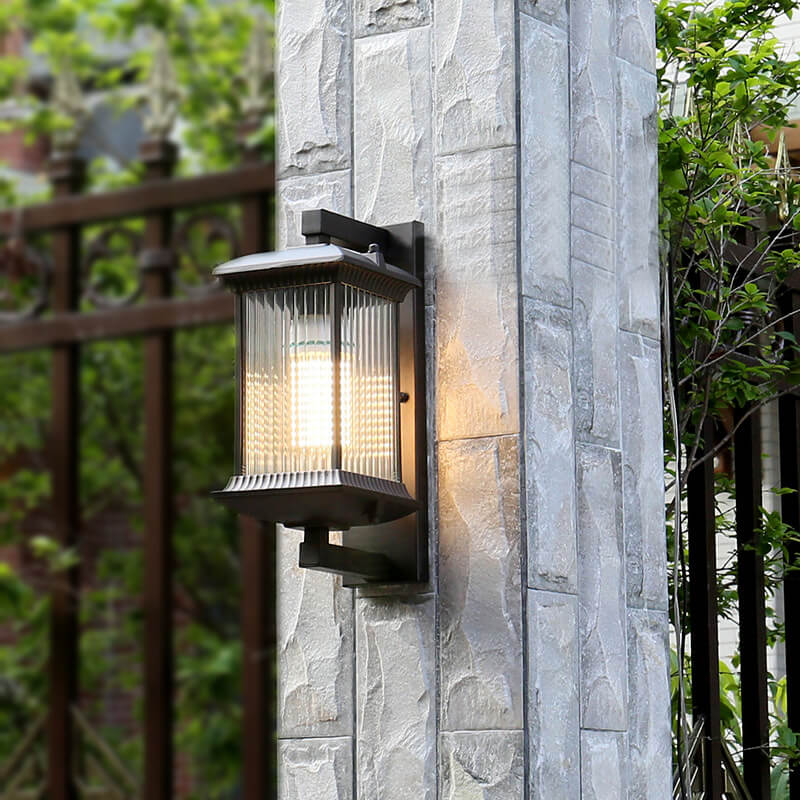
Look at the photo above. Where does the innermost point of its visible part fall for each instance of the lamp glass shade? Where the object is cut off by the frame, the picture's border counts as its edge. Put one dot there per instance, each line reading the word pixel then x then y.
pixel 320 385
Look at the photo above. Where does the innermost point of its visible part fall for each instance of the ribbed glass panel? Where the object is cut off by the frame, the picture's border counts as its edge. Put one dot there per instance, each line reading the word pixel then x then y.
pixel 288 397
pixel 369 385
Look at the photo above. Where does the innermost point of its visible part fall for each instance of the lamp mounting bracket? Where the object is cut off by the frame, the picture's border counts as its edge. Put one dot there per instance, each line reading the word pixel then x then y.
pixel 393 552
pixel 316 552
pixel 401 245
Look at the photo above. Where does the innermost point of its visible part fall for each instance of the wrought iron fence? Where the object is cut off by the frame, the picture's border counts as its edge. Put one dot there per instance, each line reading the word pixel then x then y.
pixel 53 262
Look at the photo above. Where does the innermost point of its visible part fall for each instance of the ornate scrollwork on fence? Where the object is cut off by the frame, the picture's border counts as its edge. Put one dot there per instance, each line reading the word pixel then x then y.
pixel 109 268
pixel 23 775
pixel 202 241
pixel 24 280
pixel 98 772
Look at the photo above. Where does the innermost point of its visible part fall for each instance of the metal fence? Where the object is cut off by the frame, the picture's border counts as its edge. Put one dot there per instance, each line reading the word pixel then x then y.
pixel 68 312
pixel 712 759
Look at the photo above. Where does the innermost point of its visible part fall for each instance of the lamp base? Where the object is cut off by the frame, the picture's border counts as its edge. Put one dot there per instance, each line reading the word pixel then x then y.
pixel 334 499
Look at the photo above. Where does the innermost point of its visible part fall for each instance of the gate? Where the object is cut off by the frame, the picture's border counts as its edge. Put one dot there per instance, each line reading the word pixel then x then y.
pixel 61 757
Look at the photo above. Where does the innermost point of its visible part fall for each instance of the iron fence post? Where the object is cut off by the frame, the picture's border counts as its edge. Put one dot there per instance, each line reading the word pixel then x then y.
pixel 66 175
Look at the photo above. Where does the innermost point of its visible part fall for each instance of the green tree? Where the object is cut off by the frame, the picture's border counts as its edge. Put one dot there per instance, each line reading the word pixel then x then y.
pixel 725 84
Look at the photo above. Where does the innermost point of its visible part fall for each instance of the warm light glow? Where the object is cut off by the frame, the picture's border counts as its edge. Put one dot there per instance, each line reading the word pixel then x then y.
pixel 289 393
pixel 311 392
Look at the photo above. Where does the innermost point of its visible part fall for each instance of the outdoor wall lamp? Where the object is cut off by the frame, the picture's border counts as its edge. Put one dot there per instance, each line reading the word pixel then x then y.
pixel 331 413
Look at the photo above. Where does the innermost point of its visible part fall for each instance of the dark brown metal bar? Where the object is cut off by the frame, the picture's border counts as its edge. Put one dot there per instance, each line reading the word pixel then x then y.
pixel 396 241
pixel 67 177
pixel 150 317
pixel 703 611
pixel 155 195
pixel 159 158
pixel 789 424
pixel 259 623
pixel 259 682
pixel 752 612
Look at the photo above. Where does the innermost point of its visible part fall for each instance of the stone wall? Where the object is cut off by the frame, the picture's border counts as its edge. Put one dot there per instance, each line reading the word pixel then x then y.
pixel 534 664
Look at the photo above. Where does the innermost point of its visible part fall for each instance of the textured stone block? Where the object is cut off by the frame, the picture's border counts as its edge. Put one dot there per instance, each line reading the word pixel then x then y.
pixel 636 27
pixel 603 766
pixel 396 699
pixel 593 217
pixel 649 732
pixel 304 192
pixel 643 471
pixel 315 769
pixel 545 162
pixel 592 73
pixel 476 295
pixel 315 648
pixel 474 68
pixel 382 16
pixel 601 578
pixel 552 12
pixel 595 343
pixel 479 584
pixel 549 448
pixel 593 185
pixel 393 147
pixel 637 234
pixel 553 680
pixel 314 86
pixel 487 765
pixel 592 249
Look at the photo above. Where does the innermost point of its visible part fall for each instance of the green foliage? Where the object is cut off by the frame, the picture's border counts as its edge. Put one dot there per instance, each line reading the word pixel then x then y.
pixel 726 210
pixel 207 42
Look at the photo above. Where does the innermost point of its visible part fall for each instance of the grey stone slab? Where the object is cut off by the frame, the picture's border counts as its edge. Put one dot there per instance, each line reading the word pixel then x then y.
pixel 396 698
pixel 603 766
pixel 474 65
pixel 593 217
pixel 331 190
pixel 649 733
pixel 592 185
pixel 553 681
pixel 643 471
pixel 552 12
pixel 315 648
pixel 636 33
pixel 315 769
pixel 480 584
pixel 601 592
pixel 383 16
pixel 393 149
pixel 593 249
pixel 314 86
pixel 544 164
pixel 549 448
pixel 476 295
pixel 637 233
pixel 485 765
pixel 592 41
pixel 595 345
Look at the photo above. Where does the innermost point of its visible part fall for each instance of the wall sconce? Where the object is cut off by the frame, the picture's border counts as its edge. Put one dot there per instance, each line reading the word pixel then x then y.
pixel 331 415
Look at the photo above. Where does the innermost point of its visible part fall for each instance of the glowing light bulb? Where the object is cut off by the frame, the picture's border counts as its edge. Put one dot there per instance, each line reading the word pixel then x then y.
pixel 311 392
pixel 289 406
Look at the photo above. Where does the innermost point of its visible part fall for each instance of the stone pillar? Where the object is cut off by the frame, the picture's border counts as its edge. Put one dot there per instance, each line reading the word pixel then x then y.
pixel 534 664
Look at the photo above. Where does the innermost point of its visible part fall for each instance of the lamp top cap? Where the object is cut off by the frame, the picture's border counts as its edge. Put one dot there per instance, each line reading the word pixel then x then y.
pixel 282 265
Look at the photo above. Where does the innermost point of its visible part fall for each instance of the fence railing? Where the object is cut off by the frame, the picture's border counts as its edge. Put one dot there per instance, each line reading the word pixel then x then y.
pixel 54 247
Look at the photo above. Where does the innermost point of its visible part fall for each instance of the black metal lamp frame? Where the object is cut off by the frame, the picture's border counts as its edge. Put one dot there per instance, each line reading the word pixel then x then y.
pixel 394 551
